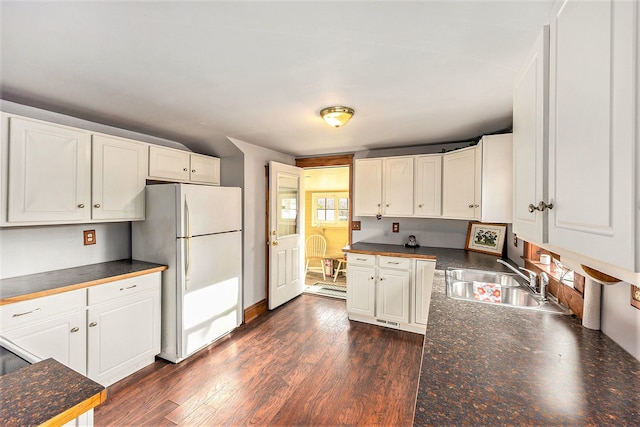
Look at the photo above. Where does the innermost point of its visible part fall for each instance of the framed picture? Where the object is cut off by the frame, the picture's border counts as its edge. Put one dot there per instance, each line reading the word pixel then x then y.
pixel 486 238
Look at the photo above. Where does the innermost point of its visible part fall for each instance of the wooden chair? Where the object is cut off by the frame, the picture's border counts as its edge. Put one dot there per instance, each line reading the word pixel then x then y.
pixel 314 249
pixel 340 269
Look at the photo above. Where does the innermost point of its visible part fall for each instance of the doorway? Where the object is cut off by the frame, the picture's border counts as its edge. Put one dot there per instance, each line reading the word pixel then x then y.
pixel 327 188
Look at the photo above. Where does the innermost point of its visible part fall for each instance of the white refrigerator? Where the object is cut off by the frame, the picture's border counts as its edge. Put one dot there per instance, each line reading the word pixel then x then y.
pixel 196 231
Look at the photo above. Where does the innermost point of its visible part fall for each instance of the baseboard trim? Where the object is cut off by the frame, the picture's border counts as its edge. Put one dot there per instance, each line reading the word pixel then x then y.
pixel 257 309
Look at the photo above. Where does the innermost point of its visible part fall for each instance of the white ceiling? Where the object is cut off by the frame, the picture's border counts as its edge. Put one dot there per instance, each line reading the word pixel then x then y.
pixel 260 71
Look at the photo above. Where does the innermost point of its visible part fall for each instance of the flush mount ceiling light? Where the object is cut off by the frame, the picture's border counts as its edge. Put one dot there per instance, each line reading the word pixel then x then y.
pixel 336 116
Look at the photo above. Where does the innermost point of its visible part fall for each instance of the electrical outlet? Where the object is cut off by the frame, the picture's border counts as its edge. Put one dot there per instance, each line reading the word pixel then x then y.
pixel 89 237
pixel 355 225
pixel 395 227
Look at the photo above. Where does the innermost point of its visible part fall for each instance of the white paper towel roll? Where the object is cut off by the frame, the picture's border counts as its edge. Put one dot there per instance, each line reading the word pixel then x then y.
pixel 592 297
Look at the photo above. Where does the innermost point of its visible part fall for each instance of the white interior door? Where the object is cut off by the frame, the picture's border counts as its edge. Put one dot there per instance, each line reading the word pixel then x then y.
pixel 286 233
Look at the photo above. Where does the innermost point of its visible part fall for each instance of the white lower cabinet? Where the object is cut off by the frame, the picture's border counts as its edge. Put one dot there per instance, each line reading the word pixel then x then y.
pixel 52 326
pixel 389 291
pixel 361 289
pixel 105 332
pixel 124 327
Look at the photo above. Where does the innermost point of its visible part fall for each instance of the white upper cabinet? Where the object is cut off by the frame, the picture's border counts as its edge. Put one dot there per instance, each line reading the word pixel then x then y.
pixel 428 186
pixel 459 180
pixel 169 164
pixel 384 186
pixel 367 185
pixel 496 185
pixel 593 130
pixel 530 143
pixel 119 178
pixel 57 174
pixel 398 186
pixel 205 169
pixel 49 172
pixel 477 182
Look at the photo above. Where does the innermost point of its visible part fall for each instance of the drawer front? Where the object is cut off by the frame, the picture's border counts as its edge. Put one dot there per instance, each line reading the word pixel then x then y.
pixel 123 288
pixel 394 262
pixel 361 259
pixel 24 313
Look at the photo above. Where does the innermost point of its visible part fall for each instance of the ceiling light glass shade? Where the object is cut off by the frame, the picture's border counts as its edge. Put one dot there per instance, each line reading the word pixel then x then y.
pixel 337 116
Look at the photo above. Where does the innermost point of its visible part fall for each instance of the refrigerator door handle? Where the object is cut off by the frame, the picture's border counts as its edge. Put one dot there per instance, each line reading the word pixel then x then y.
pixel 187 218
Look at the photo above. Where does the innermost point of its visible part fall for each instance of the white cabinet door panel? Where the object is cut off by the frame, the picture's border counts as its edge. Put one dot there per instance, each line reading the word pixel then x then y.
pixel 398 186
pixel 592 139
pixel 367 187
pixel 428 186
pixel 530 142
pixel 205 169
pixel 361 290
pixel 168 163
pixel 120 334
pixel 459 184
pixel 49 173
pixel 392 301
pixel 62 338
pixel 119 179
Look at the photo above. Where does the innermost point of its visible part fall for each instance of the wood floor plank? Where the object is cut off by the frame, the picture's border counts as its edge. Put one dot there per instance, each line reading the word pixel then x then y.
pixel 302 364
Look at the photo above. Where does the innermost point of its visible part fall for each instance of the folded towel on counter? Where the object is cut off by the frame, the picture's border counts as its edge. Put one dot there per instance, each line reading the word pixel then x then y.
pixel 489 292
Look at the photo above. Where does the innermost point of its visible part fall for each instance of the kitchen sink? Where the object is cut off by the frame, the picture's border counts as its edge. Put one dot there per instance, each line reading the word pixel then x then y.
pixel 498 289
pixel 469 275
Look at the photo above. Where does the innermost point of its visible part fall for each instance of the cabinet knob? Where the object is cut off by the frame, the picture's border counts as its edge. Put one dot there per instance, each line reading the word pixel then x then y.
pixel 76 329
pixel 471 206
pixel 371 278
pixel 92 324
pixel 97 205
pixel 387 204
pixel 420 206
pixel 541 206
pixel 81 205
pixel 476 206
pixel 185 169
pixel 193 170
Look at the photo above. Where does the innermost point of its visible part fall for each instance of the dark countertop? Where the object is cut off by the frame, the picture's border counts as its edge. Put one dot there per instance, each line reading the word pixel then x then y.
pixel 496 365
pixel 46 392
pixel 445 257
pixel 21 288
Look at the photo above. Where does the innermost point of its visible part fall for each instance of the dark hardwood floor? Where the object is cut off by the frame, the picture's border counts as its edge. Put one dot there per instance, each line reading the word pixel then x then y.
pixel 302 364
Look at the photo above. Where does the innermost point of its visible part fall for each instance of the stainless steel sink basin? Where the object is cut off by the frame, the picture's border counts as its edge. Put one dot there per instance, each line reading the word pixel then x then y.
pixel 469 275
pixel 496 288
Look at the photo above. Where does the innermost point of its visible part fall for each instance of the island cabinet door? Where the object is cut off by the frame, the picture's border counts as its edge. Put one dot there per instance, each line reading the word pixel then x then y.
pixel 361 289
pixel 393 295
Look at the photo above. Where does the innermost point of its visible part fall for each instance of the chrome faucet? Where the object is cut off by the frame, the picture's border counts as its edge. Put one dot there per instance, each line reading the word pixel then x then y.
pixel 544 282
pixel 532 280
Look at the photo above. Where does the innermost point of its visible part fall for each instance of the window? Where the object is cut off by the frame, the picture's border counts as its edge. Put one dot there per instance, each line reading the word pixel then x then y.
pixel 330 209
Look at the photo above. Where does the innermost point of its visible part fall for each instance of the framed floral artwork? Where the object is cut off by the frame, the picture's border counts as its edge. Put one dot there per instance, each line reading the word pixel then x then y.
pixel 486 238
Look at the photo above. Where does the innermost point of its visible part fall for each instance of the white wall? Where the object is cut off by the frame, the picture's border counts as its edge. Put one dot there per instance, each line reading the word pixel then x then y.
pixel 255 244
pixel 620 320
pixel 28 250
pixel 444 233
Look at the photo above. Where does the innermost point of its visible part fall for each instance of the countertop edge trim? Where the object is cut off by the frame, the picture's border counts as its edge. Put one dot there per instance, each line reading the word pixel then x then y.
pixel 387 253
pixel 77 410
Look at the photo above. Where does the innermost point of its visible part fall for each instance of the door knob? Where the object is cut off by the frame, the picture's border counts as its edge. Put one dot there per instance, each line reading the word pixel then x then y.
pixel 274 243
pixel 541 206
